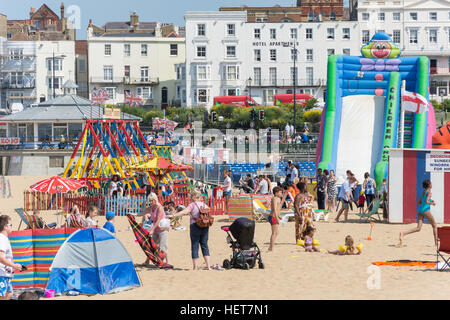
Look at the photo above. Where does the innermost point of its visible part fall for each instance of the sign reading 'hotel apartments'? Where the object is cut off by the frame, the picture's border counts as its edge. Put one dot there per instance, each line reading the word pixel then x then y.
pixel 274 43
pixel 438 162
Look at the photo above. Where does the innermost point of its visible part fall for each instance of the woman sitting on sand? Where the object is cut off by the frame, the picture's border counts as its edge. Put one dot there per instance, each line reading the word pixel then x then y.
pixel 199 236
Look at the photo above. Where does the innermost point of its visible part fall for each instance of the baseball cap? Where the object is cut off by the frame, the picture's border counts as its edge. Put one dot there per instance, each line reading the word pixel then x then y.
pixel 109 215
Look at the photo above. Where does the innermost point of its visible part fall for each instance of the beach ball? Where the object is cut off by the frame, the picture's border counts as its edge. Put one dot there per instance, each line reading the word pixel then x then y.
pixel 315 242
pixel 342 248
pixel 300 242
pixel 360 247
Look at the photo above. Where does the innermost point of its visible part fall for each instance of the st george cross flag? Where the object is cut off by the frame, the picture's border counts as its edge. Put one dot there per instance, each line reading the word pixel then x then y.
pixel 414 102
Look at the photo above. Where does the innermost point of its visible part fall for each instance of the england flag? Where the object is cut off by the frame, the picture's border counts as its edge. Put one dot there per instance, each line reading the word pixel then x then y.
pixel 414 102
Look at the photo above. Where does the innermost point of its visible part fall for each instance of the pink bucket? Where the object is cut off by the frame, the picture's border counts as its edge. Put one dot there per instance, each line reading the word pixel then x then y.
pixel 49 293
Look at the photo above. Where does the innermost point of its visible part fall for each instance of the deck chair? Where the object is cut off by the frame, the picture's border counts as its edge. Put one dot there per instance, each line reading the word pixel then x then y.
pixel 240 206
pixel 443 234
pixel 72 221
pixel 321 214
pixel 368 214
pixel 25 218
pixel 264 210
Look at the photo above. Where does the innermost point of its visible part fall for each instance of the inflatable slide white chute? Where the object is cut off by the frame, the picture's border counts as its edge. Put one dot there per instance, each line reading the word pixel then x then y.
pixel 360 135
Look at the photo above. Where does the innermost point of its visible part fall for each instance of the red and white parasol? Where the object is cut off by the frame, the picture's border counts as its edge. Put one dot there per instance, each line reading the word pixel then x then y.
pixel 57 185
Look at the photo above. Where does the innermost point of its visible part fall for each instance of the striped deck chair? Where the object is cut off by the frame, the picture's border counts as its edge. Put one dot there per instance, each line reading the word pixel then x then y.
pixel 321 214
pixel 240 206
pixel 74 222
pixel 28 220
pixel 36 249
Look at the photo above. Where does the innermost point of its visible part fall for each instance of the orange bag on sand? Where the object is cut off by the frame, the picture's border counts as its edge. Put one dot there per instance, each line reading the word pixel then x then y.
pixel 406 263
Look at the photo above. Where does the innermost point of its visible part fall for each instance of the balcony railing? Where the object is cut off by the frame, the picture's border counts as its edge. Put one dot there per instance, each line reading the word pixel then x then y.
pixel 126 80
pixel 433 70
pixel 42 143
pixel 287 82
pixel 7 84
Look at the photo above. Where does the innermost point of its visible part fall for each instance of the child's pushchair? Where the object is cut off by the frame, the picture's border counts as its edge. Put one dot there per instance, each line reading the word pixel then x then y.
pixel 245 251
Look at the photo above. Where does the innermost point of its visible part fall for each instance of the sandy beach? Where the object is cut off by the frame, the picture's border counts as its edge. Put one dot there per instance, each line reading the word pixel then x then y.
pixel 290 272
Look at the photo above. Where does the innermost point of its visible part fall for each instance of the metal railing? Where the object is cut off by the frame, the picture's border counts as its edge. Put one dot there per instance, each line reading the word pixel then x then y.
pixel 42 143
pixel 287 82
pixel 126 80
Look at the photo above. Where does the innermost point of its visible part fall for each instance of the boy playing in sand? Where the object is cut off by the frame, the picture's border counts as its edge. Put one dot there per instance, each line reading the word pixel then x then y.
pixel 7 264
pixel 425 202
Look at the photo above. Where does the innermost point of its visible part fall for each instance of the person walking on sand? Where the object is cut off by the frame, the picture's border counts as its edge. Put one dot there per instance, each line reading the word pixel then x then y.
pixel 332 191
pixel 275 217
pixel 345 196
pixel 425 202
pixel 199 236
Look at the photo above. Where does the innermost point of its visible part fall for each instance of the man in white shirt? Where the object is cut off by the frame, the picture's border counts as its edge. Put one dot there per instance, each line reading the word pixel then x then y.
pixel 288 130
pixel 7 264
pixel 292 130
pixel 345 196
pixel 227 184
pixel 263 187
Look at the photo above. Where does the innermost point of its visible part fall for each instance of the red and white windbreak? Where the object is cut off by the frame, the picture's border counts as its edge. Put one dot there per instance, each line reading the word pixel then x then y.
pixel 408 168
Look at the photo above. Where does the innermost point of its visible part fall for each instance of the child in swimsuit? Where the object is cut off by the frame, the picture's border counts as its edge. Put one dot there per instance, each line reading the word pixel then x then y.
pixel 350 250
pixel 309 246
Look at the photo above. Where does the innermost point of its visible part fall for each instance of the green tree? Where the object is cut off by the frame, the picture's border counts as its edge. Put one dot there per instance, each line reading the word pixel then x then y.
pixel 312 116
pixel 148 117
pixel 446 104
pixel 436 105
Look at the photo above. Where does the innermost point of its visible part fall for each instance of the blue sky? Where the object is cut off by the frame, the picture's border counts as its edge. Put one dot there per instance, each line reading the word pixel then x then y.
pixel 101 11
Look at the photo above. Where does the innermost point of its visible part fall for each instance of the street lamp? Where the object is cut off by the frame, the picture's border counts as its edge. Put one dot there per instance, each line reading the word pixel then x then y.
pixel 295 80
pixel 249 84
pixel 53 68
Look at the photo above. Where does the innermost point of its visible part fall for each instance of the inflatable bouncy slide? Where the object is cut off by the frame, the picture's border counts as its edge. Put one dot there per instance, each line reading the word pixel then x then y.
pixel 361 119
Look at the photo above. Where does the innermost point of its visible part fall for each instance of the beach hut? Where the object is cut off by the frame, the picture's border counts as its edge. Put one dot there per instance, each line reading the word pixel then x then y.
pixel 92 261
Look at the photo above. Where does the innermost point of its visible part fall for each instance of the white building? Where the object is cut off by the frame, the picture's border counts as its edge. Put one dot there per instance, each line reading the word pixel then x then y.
pixel 421 28
pixel 226 55
pixel 143 64
pixel 27 74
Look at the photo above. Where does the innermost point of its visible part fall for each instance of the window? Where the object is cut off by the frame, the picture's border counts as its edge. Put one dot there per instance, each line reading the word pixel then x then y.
pixel 330 52
pixel 273 76
pixel 232 72
pixel 201 52
pixel 257 33
pixel 58 82
pixel 294 73
pixel 16 54
pixel 413 36
pixel 433 36
pixel 127 50
pixel 365 36
pixel 413 16
pixel 293 33
pixel 181 72
pixel 257 76
pixel 231 51
pixel 44 131
pixel 433 16
pixel 231 29
pixel 330 33
pixel 144 51
pixel 174 49
pixel 309 55
pixel 111 93
pixel 58 64
pixel 365 16
pixel 81 65
pixel 144 92
pixel 108 73
pixel 294 55
pixel 203 72
pixel 202 95
pixel 396 36
pixel 107 49
pixel 257 54
pixel 201 30
pixel 346 52
pixel 310 17
pixel 273 33
pixel 16 79
pixel 144 74
pixel 309 76
pixel 309 33
pixel 381 16
pixel 345 33
pixel 396 16
pixel 273 54
pixel 333 16
pixel 75 130
pixel 56 161
pixel 127 71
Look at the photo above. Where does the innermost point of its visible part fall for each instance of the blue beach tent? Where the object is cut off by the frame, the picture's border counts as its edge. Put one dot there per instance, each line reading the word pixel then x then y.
pixel 92 261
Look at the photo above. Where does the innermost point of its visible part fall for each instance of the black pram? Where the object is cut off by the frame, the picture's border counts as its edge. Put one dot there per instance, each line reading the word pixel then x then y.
pixel 245 251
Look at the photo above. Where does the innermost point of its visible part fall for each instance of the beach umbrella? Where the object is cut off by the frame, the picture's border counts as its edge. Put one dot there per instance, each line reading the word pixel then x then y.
pixel 57 185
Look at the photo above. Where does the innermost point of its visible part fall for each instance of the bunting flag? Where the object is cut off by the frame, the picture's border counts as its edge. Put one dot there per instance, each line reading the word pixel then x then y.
pixel 414 102
pixel 133 100
pixel 160 124
pixel 100 96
